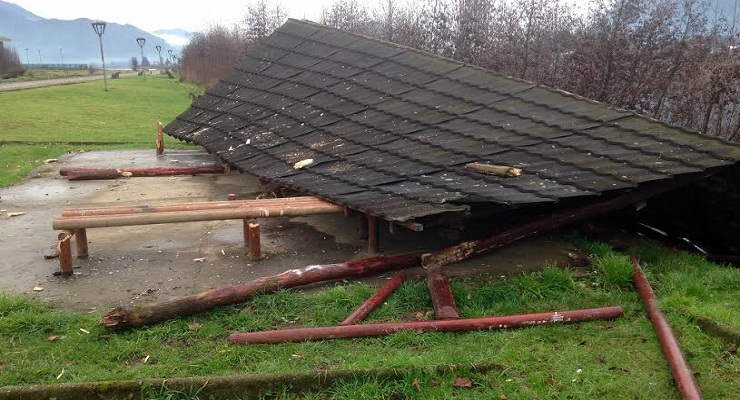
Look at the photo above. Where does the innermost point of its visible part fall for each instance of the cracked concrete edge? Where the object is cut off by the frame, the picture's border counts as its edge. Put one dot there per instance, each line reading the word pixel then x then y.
pixel 223 387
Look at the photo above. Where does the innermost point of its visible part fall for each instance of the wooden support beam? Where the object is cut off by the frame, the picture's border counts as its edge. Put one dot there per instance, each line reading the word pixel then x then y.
pixel 439 288
pixel 243 212
pixel 373 235
pixel 255 251
pixel 147 314
pixel 375 300
pixel 194 206
pixel 64 248
pixel 81 242
pixel 362 226
pixel 454 325
pixel 81 174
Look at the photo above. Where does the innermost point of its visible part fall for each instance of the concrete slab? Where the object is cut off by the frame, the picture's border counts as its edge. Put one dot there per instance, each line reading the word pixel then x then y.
pixel 156 262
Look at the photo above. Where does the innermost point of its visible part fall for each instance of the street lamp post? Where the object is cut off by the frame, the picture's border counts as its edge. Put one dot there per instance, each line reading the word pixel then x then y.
pixel 170 52
pixel 61 55
pixel 141 42
pixel 99 27
pixel 40 57
pixel 28 60
pixel 159 51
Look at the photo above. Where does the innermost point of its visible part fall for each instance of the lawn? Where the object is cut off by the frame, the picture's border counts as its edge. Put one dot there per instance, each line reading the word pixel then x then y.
pixel 43 123
pixel 619 359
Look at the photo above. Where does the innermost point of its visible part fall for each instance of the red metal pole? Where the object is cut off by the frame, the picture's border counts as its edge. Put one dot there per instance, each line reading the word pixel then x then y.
pixel 352 331
pixel 439 289
pixel 682 374
pixel 375 300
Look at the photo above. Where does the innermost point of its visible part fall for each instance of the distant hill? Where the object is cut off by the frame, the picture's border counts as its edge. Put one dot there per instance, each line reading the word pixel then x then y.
pixel 76 39
pixel 175 37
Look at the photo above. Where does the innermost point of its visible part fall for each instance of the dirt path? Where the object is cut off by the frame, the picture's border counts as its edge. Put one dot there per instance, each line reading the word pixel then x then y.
pixel 155 262
pixel 6 87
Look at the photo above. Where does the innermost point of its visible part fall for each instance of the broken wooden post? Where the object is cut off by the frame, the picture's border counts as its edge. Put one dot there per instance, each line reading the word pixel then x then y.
pixel 231 197
pixel 497 170
pixel 451 325
pixel 81 242
pixel 372 234
pixel 160 139
pixel 64 248
pixel 439 289
pixel 147 314
pixel 375 300
pixel 682 374
pixel 255 251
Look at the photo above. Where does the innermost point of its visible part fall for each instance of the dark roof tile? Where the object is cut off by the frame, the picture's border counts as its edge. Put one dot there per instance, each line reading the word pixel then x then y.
pixel 390 129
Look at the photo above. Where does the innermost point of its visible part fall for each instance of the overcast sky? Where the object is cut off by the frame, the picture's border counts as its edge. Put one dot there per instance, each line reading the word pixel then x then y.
pixel 152 15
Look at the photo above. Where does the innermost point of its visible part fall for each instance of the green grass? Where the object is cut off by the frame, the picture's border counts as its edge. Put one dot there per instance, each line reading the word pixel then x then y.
pixel 44 123
pixel 618 359
pixel 35 75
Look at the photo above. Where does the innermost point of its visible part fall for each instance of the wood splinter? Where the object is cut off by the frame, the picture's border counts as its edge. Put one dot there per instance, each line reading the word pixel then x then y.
pixel 498 170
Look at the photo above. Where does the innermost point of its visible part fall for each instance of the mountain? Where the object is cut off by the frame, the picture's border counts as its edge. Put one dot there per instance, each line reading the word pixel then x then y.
pixel 52 40
pixel 175 37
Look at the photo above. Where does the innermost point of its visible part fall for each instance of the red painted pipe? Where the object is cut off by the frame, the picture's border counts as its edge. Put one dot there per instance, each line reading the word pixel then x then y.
pixel 682 374
pixel 375 300
pixel 352 331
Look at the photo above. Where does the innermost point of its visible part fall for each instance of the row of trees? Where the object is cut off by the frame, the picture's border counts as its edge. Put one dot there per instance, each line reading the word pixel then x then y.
pixel 10 63
pixel 673 60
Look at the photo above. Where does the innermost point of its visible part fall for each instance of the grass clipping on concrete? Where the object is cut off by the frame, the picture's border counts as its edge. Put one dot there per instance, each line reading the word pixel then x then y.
pixel 600 359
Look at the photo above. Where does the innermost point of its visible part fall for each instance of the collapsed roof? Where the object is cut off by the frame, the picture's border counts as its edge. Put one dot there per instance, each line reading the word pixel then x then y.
pixel 390 129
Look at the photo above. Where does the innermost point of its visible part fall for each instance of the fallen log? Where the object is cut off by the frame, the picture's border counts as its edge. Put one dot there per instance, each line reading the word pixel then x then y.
pixel 147 314
pixel 682 375
pixel 450 325
pixel 86 174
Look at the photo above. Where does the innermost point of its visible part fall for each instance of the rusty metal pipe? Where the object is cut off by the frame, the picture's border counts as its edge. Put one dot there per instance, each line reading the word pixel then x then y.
pixel 375 300
pixel 368 330
pixel 685 381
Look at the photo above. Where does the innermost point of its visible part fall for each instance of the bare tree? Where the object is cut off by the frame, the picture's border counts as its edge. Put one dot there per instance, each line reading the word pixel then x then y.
pixel 261 19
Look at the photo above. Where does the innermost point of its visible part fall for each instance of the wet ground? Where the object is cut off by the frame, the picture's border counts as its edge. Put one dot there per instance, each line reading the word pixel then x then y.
pixel 156 262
